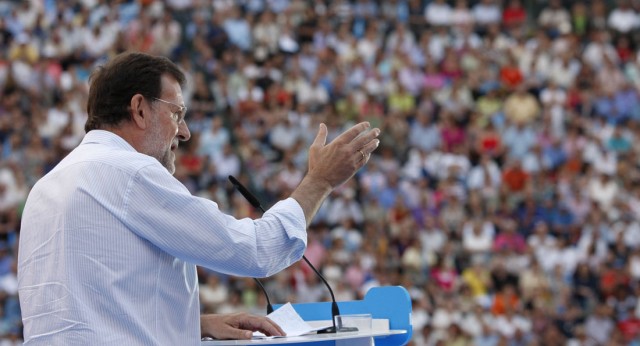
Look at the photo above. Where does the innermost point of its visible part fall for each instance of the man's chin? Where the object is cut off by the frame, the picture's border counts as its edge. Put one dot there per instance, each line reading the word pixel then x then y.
pixel 170 162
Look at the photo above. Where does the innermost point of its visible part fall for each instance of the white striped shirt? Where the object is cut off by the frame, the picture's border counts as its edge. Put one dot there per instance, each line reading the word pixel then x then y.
pixel 109 243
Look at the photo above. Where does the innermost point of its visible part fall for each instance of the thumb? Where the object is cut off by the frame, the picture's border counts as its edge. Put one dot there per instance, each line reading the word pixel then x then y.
pixel 321 137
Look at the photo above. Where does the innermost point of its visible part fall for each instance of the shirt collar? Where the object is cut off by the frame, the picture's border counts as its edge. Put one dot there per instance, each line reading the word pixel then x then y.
pixel 108 138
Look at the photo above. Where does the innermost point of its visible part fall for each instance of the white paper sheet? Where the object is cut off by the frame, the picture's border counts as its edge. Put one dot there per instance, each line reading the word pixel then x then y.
pixel 289 320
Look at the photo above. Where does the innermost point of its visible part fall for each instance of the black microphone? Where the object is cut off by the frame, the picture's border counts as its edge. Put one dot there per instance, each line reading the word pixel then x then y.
pixel 335 311
pixel 244 191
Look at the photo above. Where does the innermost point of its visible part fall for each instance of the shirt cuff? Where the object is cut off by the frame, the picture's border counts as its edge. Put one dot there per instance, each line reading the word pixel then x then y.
pixel 292 217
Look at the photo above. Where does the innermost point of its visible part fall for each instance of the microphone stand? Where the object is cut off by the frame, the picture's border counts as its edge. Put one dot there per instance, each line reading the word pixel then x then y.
pixel 335 311
pixel 264 290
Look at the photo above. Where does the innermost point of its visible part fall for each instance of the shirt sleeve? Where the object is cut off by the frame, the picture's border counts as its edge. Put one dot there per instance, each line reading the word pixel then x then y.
pixel 161 210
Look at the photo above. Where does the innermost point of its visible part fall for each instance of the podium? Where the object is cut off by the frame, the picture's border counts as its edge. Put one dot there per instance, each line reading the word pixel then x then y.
pixel 390 303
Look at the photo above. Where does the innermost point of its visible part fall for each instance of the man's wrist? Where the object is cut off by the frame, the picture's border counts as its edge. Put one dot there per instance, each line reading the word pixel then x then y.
pixel 310 194
pixel 319 184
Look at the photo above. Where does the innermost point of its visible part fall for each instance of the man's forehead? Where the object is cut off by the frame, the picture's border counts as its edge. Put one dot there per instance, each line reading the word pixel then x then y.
pixel 171 87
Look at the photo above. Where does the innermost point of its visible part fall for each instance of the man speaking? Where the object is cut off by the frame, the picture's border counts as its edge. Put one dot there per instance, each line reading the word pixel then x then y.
pixel 110 239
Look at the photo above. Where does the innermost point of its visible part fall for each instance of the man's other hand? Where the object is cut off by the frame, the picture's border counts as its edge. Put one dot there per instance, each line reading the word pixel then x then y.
pixel 237 326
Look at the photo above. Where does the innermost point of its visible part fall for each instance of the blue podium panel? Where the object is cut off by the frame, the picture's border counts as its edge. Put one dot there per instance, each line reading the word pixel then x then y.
pixel 388 302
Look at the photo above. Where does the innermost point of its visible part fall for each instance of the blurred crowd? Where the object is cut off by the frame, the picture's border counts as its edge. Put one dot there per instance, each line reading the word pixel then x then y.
pixel 505 194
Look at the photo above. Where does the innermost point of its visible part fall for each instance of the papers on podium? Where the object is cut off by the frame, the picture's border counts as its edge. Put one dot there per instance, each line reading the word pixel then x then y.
pixel 292 324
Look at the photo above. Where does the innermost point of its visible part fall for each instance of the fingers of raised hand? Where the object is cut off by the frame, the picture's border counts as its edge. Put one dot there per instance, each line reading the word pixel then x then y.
pixel 349 135
pixel 364 156
pixel 321 136
pixel 365 144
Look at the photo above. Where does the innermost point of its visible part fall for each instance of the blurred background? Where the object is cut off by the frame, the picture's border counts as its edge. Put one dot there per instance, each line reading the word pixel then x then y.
pixel 505 194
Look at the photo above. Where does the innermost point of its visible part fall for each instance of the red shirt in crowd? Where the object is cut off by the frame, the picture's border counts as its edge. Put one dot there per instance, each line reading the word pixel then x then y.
pixel 514 15
pixel 515 178
pixel 630 327
pixel 511 76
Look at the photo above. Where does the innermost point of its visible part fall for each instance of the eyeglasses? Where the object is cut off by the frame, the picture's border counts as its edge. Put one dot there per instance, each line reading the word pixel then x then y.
pixel 178 116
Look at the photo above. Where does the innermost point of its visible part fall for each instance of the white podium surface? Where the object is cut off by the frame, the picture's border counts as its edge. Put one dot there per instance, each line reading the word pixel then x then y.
pixel 345 338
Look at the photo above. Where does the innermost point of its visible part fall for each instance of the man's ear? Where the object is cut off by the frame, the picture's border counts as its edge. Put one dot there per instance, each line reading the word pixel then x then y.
pixel 140 111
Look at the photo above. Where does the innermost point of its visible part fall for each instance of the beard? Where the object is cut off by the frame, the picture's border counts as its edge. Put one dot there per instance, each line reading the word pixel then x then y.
pixel 168 160
pixel 161 150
